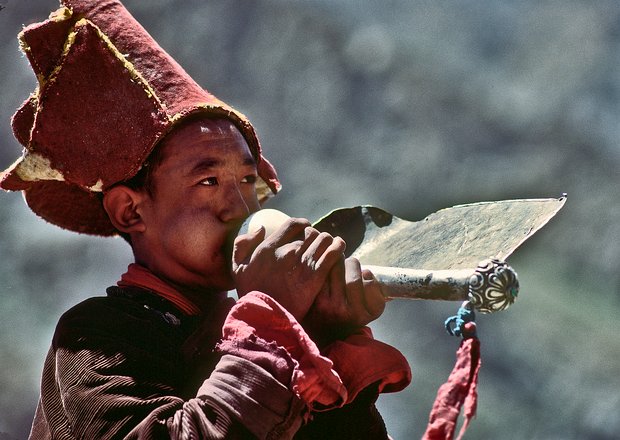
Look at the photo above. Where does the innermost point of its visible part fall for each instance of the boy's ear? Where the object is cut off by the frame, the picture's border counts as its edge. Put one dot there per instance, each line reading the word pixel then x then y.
pixel 121 203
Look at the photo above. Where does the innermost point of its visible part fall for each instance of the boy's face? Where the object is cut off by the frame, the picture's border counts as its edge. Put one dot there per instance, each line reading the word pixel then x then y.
pixel 201 192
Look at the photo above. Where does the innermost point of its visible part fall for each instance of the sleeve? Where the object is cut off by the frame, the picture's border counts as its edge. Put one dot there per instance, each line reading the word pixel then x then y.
pixel 117 381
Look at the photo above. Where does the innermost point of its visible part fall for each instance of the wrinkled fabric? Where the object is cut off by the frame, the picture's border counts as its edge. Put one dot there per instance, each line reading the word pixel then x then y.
pixel 361 360
pixel 359 420
pixel 116 370
pixel 258 329
pixel 128 366
pixel 460 390
pixel 323 380
pixel 258 316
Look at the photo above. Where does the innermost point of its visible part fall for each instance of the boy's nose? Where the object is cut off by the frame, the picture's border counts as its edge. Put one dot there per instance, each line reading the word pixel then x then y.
pixel 236 207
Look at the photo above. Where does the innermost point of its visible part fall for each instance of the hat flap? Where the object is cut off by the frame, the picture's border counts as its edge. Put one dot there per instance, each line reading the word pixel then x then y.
pixel 62 203
pixel 97 120
pixel 43 43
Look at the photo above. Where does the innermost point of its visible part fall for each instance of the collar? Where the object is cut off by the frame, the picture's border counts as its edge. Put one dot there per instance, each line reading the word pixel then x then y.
pixel 140 276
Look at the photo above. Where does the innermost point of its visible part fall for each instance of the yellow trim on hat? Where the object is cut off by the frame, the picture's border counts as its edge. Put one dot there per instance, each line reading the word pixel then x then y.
pixel 61 14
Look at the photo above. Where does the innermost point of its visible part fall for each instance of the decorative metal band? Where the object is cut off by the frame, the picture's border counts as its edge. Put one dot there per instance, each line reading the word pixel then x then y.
pixel 493 286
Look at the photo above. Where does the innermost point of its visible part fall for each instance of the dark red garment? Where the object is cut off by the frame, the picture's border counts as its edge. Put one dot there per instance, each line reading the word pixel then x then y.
pixel 326 379
pixel 131 365
pixel 134 364
pixel 323 379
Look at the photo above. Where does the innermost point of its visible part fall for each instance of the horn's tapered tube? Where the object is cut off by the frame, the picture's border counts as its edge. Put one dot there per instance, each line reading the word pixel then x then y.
pixel 490 287
pixel 448 285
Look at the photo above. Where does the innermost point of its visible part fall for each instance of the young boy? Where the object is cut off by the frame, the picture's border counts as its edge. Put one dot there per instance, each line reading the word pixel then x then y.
pixel 119 140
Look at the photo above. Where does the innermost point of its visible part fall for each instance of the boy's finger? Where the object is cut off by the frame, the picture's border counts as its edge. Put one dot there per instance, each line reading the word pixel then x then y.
pixel 246 244
pixel 310 235
pixel 337 286
pixel 331 255
pixel 292 229
pixel 315 247
pixel 356 293
pixel 374 300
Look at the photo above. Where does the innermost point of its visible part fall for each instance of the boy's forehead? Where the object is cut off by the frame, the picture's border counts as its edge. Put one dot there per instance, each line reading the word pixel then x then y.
pixel 205 137
pixel 204 130
pixel 217 127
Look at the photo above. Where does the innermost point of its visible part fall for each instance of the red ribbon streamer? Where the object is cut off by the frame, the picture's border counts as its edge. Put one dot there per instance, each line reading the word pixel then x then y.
pixel 460 390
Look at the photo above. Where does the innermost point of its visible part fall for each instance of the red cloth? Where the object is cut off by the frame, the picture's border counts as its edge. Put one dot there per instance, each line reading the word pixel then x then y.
pixel 460 390
pixel 140 276
pixel 361 360
pixel 257 315
pixel 326 380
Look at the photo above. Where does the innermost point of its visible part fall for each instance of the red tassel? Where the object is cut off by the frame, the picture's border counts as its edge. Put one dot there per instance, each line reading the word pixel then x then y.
pixel 460 390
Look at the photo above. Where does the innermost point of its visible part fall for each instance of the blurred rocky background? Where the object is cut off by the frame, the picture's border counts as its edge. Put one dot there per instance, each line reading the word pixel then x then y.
pixel 412 106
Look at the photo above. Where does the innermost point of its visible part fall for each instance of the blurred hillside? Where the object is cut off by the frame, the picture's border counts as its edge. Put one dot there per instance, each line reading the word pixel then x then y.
pixel 412 106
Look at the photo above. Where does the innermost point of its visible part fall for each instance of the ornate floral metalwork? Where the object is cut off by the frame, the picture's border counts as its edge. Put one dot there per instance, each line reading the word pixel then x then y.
pixel 493 286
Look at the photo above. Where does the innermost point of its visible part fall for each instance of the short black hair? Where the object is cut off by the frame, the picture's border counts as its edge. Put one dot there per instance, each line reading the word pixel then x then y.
pixel 143 179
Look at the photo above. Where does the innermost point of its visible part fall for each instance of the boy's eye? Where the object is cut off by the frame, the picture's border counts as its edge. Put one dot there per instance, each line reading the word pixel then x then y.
pixel 249 179
pixel 209 181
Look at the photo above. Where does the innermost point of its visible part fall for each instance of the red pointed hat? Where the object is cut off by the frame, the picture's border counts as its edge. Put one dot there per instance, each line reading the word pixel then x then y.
pixel 107 94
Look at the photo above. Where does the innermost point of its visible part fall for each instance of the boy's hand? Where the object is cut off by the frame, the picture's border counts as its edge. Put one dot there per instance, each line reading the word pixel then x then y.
pixel 291 265
pixel 350 299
